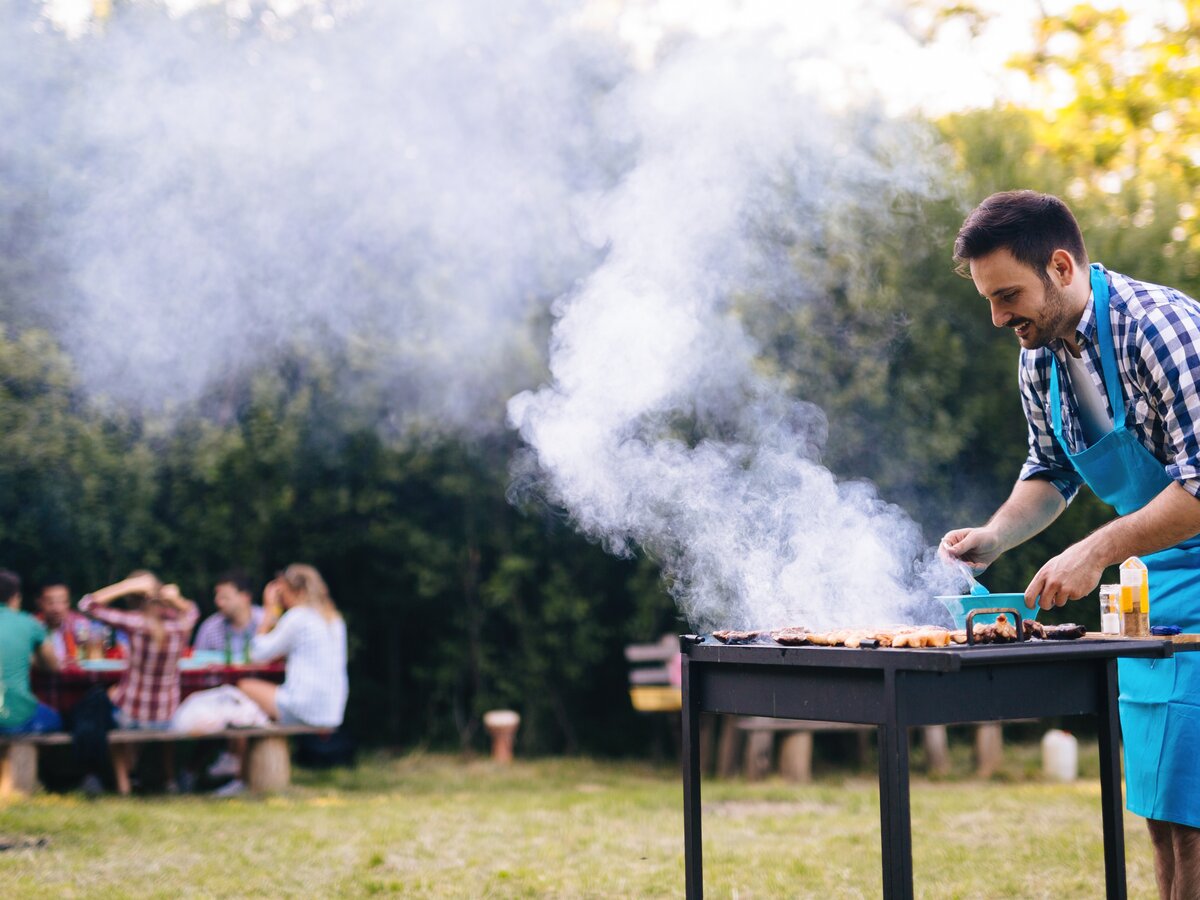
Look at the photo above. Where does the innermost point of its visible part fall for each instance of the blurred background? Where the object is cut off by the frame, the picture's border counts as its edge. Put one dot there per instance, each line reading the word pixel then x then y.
pixel 270 271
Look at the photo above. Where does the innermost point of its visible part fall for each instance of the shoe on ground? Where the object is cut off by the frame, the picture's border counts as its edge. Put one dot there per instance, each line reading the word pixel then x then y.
pixel 91 785
pixel 235 788
pixel 226 766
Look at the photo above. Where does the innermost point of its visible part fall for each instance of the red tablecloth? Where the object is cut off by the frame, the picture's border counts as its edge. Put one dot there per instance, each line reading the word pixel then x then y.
pixel 62 690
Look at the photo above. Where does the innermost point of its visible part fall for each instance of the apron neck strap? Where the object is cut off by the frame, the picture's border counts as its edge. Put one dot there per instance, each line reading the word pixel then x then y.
pixel 1108 355
pixel 1108 358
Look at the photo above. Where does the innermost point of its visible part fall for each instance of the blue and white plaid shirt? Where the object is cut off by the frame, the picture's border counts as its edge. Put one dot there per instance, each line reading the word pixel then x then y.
pixel 1156 336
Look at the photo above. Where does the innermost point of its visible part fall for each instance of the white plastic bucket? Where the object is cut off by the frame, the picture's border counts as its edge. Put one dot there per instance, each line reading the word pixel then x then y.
pixel 1060 756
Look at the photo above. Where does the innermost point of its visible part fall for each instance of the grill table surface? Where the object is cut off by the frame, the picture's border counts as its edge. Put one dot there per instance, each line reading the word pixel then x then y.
pixel 899 689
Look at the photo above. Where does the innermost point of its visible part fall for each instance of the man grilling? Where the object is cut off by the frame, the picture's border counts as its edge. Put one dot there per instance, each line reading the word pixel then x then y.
pixel 1108 380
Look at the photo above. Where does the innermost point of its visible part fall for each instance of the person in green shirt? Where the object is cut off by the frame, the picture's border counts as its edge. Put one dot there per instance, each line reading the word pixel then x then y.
pixel 22 637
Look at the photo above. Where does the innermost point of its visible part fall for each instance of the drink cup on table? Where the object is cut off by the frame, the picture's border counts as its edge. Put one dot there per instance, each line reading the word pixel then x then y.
pixel 94 649
pixel 1135 600
pixel 1110 609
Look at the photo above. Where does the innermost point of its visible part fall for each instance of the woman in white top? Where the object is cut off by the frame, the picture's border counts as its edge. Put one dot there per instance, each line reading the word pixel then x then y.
pixel 311 634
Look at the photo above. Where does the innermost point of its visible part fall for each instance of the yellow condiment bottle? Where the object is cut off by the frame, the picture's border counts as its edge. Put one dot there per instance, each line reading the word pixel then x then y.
pixel 1135 597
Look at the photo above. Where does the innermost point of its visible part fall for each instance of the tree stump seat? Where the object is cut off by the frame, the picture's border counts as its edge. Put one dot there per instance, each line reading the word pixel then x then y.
pixel 796 746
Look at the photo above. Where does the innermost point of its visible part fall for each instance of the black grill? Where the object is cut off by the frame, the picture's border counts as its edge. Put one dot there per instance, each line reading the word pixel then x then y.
pixel 896 689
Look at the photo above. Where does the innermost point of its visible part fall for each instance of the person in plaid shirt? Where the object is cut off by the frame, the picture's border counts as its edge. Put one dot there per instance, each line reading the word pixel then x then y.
pixel 1108 379
pixel 148 692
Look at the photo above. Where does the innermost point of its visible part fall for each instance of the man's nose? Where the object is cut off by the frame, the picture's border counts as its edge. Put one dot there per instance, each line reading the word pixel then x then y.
pixel 999 319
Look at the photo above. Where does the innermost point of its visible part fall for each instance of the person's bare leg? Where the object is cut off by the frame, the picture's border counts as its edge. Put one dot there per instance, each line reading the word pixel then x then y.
pixel 122 762
pixel 1186 884
pixel 1164 856
pixel 262 693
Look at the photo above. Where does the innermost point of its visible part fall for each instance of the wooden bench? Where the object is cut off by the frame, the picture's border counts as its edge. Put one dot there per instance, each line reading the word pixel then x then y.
pixel 268 761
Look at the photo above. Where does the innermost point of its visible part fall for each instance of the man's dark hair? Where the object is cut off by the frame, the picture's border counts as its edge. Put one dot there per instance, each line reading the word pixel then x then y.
pixel 1031 226
pixel 10 585
pixel 52 581
pixel 238 578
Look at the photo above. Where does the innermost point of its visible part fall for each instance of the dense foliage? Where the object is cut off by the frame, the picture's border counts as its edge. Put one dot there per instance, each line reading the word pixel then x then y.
pixel 460 601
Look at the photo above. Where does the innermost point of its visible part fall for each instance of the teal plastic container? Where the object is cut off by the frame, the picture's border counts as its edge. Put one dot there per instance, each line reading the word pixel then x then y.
pixel 961 604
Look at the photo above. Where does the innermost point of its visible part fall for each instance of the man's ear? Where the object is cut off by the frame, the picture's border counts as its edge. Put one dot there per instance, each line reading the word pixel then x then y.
pixel 1062 268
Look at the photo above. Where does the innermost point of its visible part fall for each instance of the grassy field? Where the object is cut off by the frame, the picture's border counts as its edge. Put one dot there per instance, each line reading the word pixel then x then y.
pixel 436 826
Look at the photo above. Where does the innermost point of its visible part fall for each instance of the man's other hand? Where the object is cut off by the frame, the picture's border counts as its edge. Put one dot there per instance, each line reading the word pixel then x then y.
pixel 1072 574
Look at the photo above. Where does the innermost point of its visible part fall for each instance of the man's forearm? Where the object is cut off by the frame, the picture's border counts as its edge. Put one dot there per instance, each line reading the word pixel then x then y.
pixel 1171 517
pixel 1029 509
pixel 107 595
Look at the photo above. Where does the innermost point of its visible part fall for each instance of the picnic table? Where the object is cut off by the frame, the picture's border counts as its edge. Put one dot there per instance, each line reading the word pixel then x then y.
pixel 63 689
pixel 268 760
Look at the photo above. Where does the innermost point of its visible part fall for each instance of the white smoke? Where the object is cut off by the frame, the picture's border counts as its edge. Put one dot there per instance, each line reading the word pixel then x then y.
pixel 395 185
pixel 413 184
pixel 659 428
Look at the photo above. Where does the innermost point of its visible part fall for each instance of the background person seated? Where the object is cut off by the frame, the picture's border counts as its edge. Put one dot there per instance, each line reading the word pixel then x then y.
pixel 21 635
pixel 148 692
pixel 231 628
pixel 73 635
pixel 311 634
pixel 229 631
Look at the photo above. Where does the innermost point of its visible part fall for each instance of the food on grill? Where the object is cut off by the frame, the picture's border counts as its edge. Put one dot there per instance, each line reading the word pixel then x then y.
pixel 861 639
pixel 846 637
pixel 897 636
pixel 1002 631
pixel 1065 632
pixel 792 637
pixel 924 636
pixel 736 637
pixel 837 637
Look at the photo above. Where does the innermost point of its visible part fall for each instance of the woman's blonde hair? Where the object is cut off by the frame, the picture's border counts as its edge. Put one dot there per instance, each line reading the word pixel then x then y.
pixel 307 583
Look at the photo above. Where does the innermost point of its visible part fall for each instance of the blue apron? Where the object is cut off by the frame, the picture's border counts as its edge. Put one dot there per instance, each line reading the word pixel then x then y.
pixel 1160 698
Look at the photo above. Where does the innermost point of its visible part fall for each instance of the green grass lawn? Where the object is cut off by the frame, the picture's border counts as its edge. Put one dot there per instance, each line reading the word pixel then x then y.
pixel 436 826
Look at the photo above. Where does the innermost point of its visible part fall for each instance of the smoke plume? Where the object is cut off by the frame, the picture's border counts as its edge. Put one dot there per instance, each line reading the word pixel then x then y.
pixel 425 189
pixel 660 428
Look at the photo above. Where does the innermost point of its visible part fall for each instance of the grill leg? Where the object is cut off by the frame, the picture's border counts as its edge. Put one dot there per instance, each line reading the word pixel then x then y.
pixel 894 819
pixel 690 755
pixel 1110 782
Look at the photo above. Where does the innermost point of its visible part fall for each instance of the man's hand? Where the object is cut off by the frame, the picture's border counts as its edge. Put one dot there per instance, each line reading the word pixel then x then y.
pixel 171 595
pixel 978 548
pixel 1072 574
pixel 272 606
pixel 1032 505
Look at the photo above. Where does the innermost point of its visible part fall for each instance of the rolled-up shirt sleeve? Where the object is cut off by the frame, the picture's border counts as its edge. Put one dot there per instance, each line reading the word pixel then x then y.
pixel 1168 361
pixel 118 618
pixel 1046 459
